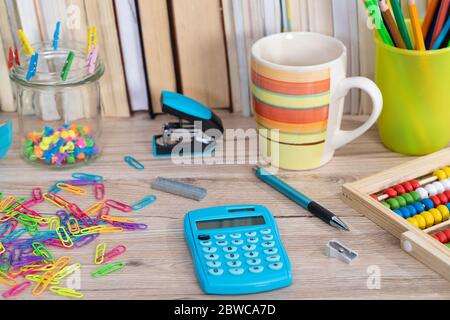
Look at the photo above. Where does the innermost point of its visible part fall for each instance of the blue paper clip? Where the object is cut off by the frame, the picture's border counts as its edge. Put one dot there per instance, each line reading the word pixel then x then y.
pixel 144 203
pixel 32 68
pixel 56 36
pixel 134 163
pixel 87 176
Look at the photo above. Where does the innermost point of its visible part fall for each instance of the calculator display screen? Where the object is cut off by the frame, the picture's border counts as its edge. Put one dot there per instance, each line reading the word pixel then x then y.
pixel 230 223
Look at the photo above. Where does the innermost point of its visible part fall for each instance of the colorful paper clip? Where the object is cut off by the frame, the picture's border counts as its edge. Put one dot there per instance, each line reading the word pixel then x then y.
pixel 72 189
pixel 108 269
pixel 117 251
pixel 37 194
pixel 25 43
pixel 100 253
pixel 119 206
pixel 66 292
pixel 66 69
pixel 64 237
pixel 32 68
pixel 38 278
pixel 15 291
pixel 42 251
pixel 144 203
pixel 92 38
pixel 6 279
pixel 49 276
pixel 56 36
pixel 73 225
pixel 87 176
pixel 95 208
pixel 2 248
pixel 67 271
pixel 134 163
pixel 99 191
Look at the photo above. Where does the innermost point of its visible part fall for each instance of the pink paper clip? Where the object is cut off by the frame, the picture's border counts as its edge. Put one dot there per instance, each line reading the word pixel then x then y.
pixel 117 251
pixel 16 290
pixel 119 206
pixel 99 191
pixel 103 212
pixel 37 194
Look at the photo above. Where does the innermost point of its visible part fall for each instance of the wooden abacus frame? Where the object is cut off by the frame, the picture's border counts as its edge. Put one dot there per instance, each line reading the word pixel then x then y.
pixel 414 241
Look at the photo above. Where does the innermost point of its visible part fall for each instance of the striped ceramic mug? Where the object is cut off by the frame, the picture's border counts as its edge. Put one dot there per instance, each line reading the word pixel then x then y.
pixel 299 84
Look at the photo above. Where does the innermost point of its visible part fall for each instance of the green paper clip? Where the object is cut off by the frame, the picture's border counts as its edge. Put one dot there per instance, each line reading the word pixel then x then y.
pixel 108 269
pixel 42 251
pixel 67 66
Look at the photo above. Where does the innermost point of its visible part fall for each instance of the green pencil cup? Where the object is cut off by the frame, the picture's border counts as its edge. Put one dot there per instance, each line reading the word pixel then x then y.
pixel 416 93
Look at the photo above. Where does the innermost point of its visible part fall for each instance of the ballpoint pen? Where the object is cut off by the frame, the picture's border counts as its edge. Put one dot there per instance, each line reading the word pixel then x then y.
pixel 301 199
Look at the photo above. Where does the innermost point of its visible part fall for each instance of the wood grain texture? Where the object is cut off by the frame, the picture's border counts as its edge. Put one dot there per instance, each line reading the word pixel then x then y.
pixel 202 56
pixel 159 265
pixel 155 28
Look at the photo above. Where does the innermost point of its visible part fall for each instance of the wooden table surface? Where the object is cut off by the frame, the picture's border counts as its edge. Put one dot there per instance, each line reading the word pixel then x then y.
pixel 158 263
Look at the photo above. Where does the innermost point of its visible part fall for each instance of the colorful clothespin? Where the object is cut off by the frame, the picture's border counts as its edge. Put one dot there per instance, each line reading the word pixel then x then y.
pixel 32 68
pixel 92 59
pixel 25 43
pixel 56 36
pixel 67 66
pixel 92 38
pixel 16 55
pixel 11 59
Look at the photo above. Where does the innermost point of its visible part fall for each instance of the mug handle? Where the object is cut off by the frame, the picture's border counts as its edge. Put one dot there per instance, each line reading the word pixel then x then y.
pixel 342 137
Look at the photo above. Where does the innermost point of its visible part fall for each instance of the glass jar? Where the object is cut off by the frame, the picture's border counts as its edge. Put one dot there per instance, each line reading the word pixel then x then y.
pixel 60 121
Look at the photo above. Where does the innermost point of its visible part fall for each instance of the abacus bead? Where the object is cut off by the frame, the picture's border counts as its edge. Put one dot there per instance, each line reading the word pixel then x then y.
pixel 443 198
pixel 428 204
pixel 447 233
pixel 441 237
pixel 374 197
pixel 423 193
pixel 429 219
pixel 409 199
pixel 440 174
pixel 401 201
pixel 405 213
pixel 437 215
pixel 447 171
pixel 419 207
pixel 413 221
pixel 412 210
pixel 439 187
pixel 445 212
pixel 432 191
pixel 408 186
pixel 398 212
pixel 446 184
pixel 393 203
pixel 447 193
pixel 399 188
pixel 421 223
pixel 415 184
pixel 384 203
pixel 390 192
pixel 416 196
pixel 436 201
pixel 436 237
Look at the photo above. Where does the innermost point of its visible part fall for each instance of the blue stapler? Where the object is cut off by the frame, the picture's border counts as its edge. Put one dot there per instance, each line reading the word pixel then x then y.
pixel 196 132
pixel 6 136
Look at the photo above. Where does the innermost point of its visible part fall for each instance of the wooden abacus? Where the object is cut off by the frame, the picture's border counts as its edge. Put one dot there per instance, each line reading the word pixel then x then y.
pixel 412 202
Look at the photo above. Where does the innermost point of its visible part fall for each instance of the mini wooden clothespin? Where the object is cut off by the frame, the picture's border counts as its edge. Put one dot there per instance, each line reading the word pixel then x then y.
pixel 67 66
pixel 92 59
pixel 56 36
pixel 11 59
pixel 92 38
pixel 32 68
pixel 17 57
pixel 25 43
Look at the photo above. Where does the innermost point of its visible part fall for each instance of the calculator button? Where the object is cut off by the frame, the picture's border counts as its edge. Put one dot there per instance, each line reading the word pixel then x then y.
pixel 210 250
pixel 266 231
pixel 267 238
pixel 220 237
pixel 211 257
pixel 222 243
pixel 214 264
pixel 230 249
pixel 215 272
pixel 257 269
pixel 232 256
pixel 249 247
pixel 254 262
pixel 238 242
pixel 204 237
pixel 206 243
pixel 272 259
pixel 251 255
pixel 271 251
pixel 250 234
pixel 237 271
pixel 268 244
pixel 253 240
pixel 234 264
pixel 235 236
pixel 276 266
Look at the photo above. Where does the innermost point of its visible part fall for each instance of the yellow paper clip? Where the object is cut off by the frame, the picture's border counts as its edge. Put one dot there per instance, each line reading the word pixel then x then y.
pixel 72 189
pixel 52 198
pixel 92 38
pixel 73 225
pixel 64 237
pixel 67 271
pixel 6 279
pixel 94 209
pixel 37 278
pixel 117 219
pixel 100 253
pixel 2 248
pixel 66 292
pixel 54 223
pixel 6 203
pixel 26 46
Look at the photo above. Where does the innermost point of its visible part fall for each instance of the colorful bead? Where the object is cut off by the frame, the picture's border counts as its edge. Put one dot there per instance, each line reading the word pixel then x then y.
pixel 393 203
pixel 422 192
pixel 445 212
pixel 419 207
pixel 440 174
pixel 447 171
pixel 428 204
pixel 429 219
pixel 437 215
pixel 432 191
pixel 416 196
pixel 415 184
pixel 401 201
pixel 408 186
pixel 436 201
pixel 400 190
pixel 391 193
pixel 408 198
pixel 439 187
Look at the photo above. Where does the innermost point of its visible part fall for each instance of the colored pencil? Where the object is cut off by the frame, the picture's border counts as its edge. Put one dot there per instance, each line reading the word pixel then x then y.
pixel 391 25
pixel 415 22
pixel 375 14
pixel 431 10
pixel 401 23
pixel 443 10
pixel 440 39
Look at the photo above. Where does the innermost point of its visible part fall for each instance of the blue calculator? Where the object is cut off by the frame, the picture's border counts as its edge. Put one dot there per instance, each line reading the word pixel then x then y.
pixel 237 250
